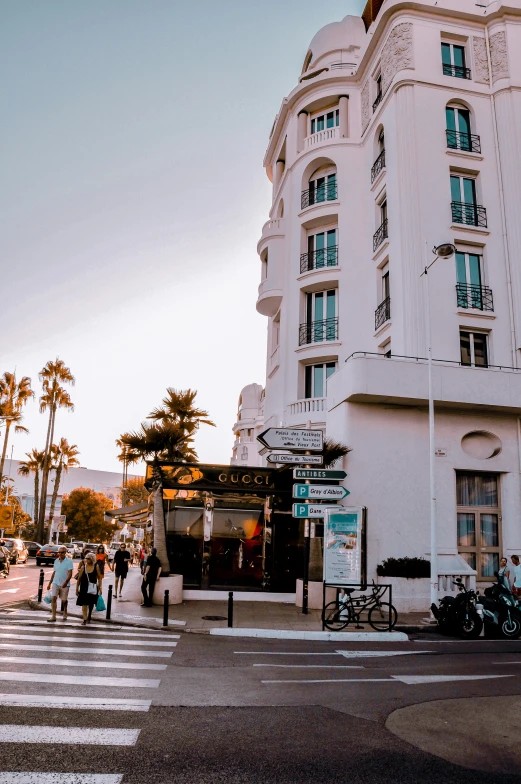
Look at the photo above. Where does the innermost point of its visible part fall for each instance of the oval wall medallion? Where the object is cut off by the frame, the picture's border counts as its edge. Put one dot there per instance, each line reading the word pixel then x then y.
pixel 481 445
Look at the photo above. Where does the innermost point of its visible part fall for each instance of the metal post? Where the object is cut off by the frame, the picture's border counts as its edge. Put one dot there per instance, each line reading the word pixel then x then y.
pixel 305 581
pixel 109 603
pixel 40 585
pixel 230 609
pixel 432 478
pixel 165 607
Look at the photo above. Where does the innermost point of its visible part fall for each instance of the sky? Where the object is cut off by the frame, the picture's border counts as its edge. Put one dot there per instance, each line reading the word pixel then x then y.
pixel 132 199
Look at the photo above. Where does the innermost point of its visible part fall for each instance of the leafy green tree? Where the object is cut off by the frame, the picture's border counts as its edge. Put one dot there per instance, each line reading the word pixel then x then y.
pixel 14 395
pixel 85 510
pixel 135 491
pixel 33 465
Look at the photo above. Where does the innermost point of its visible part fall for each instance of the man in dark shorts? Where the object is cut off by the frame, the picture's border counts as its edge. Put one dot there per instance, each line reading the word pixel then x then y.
pixel 121 562
pixel 152 572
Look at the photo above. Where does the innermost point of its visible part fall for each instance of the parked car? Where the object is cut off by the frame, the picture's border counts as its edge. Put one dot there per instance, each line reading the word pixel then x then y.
pixel 33 548
pixel 114 546
pixel 17 550
pixel 48 553
pixel 76 548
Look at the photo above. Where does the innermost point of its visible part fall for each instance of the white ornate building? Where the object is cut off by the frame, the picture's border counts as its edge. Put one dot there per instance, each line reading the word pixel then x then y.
pixel 403 133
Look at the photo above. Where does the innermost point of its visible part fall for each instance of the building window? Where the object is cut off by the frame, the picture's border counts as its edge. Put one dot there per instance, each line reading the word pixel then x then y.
pixel 321 320
pixel 382 231
pixel 453 61
pixel 379 94
pixel 464 206
pixel 471 293
pixel 316 377
pixel 385 349
pixel 379 163
pixel 320 189
pixel 326 120
pixel 275 333
pixel 322 251
pixel 264 263
pixel 478 511
pixel 459 136
pixel 473 348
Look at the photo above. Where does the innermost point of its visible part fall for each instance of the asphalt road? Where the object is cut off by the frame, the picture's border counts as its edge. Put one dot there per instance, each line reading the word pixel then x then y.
pixel 22 582
pixel 197 709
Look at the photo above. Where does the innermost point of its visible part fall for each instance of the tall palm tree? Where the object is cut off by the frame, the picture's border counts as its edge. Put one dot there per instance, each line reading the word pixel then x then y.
pixel 13 397
pixel 63 456
pixel 33 465
pixel 178 407
pixel 54 396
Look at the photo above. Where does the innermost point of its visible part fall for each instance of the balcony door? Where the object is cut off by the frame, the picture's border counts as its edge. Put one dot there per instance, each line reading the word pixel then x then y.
pixel 321 315
pixel 322 249
pixel 458 128
pixel 479 515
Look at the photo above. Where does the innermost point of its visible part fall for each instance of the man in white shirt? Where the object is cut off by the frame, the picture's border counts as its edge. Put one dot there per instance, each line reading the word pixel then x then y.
pixel 59 583
pixel 515 576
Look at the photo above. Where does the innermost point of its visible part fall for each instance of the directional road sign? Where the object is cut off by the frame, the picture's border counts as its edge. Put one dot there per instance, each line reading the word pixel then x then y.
pixel 285 458
pixel 284 438
pixel 318 473
pixel 312 510
pixel 330 492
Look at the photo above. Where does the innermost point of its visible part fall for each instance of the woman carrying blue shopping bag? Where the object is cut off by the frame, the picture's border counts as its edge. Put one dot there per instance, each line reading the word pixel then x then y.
pixel 88 586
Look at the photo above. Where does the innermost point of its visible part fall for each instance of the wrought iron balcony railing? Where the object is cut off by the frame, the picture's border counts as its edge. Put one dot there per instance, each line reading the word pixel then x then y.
pixel 382 313
pixel 318 331
pixel 472 296
pixel 377 166
pixel 468 142
pixel 469 214
pixel 377 101
pixel 380 235
pixel 318 259
pixel 326 192
pixel 456 70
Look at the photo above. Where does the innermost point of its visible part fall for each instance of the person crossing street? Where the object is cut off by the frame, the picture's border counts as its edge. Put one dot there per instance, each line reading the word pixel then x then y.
pixel 60 582
pixel 121 562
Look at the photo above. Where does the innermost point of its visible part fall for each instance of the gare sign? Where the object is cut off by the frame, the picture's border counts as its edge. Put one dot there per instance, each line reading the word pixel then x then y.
pixel 311 510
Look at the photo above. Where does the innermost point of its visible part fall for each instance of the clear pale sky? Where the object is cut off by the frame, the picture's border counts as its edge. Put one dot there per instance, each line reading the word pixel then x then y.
pixel 132 199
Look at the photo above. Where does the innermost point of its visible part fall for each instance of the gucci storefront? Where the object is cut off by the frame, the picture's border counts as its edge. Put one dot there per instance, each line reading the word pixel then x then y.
pixel 230 527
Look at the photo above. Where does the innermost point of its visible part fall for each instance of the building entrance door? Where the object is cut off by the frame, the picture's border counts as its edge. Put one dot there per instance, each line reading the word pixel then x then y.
pixel 235 553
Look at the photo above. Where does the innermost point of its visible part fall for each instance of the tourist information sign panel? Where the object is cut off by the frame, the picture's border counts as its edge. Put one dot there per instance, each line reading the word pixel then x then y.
pixel 310 510
pixel 318 473
pixel 285 438
pixel 328 492
pixel 343 546
pixel 285 458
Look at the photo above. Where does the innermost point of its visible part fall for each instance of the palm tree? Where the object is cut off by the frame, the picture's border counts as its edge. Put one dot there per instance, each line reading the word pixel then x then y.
pixel 54 396
pixel 63 457
pixel 33 465
pixel 13 397
pixel 178 407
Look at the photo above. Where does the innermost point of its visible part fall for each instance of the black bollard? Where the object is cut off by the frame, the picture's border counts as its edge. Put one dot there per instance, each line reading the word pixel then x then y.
pixel 230 609
pixel 40 585
pixel 165 607
pixel 109 603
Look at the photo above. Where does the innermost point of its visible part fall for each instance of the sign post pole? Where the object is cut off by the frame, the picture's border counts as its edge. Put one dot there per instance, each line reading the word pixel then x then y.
pixel 307 550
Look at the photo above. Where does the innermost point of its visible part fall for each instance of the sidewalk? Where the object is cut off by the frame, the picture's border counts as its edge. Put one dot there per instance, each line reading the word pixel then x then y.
pixel 202 616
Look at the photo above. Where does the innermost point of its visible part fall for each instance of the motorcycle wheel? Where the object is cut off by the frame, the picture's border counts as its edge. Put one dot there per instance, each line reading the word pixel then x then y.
pixel 511 628
pixel 470 627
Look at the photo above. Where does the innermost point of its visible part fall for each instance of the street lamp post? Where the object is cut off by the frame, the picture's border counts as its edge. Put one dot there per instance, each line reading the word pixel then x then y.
pixel 444 251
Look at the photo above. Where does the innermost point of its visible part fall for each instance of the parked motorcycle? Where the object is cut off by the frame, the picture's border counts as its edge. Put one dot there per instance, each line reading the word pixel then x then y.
pixel 458 615
pixel 500 610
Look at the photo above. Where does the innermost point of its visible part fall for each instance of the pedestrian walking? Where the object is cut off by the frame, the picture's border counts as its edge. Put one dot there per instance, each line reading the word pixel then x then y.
pixel 121 562
pixel 504 572
pixel 59 583
pixel 142 556
pixel 102 559
pixel 88 586
pixel 152 573
pixel 516 576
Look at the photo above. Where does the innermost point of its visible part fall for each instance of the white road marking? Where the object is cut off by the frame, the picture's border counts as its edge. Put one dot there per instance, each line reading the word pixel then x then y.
pixel 80 680
pixel 516 662
pixel 45 637
pixel 93 736
pixel 74 703
pixel 10 590
pixel 315 666
pixel 378 654
pixel 12 579
pixel 337 680
pixel 413 679
pixel 285 653
pixel 77 663
pixel 105 651
pixel 61 778
pixel 107 632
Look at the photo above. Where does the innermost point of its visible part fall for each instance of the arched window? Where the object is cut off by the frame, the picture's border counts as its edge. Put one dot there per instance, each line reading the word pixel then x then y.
pixel 321 187
pixel 459 129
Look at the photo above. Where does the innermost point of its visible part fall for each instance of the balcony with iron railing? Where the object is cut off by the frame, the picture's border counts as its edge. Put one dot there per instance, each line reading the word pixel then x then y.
pixel 456 70
pixel 319 259
pixel 469 214
pixel 376 101
pixel 380 235
pixel 378 166
pixel 466 142
pixel 473 296
pixel 318 331
pixel 382 313
pixel 324 193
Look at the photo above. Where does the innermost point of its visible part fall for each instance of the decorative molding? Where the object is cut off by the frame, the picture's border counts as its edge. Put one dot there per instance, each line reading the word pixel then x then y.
pixel 397 53
pixel 498 55
pixel 480 70
pixel 366 106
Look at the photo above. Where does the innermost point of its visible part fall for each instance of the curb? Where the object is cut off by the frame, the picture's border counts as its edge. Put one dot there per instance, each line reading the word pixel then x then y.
pixel 289 634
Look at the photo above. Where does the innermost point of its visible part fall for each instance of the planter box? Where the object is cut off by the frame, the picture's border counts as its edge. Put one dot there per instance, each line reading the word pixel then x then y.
pixel 174 584
pixel 314 595
pixel 410 594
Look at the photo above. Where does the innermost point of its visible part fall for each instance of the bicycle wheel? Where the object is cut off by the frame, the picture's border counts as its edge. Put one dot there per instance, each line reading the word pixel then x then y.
pixel 379 616
pixel 336 616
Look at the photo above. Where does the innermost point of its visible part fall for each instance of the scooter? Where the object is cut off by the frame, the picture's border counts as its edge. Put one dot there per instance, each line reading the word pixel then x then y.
pixel 500 610
pixel 458 615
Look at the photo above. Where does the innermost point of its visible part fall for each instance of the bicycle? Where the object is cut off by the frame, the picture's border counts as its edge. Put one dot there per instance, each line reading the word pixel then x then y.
pixel 346 609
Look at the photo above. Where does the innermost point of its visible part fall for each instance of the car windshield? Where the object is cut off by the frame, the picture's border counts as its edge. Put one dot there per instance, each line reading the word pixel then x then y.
pixel 9 545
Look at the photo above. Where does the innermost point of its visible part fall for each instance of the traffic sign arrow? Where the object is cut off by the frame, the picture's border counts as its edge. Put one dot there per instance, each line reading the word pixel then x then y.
pixel 331 492
pixel 285 438
pixel 318 473
pixel 285 458
pixel 311 510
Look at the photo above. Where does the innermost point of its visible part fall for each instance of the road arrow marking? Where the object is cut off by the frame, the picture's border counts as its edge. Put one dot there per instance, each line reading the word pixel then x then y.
pixel 375 654
pixel 411 680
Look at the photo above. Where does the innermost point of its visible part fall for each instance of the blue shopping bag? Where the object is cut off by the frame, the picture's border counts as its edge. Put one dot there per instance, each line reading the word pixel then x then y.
pixel 100 604
pixel 47 597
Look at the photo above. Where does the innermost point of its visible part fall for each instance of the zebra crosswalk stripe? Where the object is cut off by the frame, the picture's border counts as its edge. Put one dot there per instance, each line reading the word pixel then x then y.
pixel 53 638
pixel 80 680
pixel 74 703
pixel 77 663
pixel 91 736
pixel 142 635
pixel 61 778
pixel 89 651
